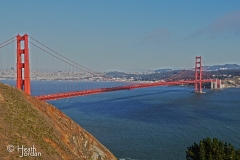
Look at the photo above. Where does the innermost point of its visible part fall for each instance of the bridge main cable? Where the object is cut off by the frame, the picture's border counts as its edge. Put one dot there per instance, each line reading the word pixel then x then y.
pixel 207 70
pixel 56 56
pixel 64 56
pixel 7 41
pixel 179 73
pixel 1 45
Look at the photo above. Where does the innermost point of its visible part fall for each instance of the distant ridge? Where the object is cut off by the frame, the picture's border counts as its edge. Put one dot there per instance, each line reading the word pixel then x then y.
pixel 209 68
pixel 223 67
pixel 163 70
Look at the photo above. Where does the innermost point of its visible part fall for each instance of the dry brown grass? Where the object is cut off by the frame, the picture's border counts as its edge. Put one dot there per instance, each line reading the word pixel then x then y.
pixel 27 121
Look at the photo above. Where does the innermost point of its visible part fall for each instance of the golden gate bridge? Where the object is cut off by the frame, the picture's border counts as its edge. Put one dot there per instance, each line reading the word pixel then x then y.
pixel 44 60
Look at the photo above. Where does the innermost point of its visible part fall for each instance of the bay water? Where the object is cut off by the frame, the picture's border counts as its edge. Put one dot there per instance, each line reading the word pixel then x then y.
pixel 156 123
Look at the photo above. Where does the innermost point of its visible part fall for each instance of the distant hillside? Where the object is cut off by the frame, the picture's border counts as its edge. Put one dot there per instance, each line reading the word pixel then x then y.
pixel 223 67
pixel 211 68
pixel 27 121
pixel 119 74
pixel 162 70
pixel 139 70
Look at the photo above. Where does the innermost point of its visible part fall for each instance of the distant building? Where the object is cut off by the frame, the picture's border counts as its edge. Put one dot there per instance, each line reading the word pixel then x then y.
pixel 12 69
pixel 223 68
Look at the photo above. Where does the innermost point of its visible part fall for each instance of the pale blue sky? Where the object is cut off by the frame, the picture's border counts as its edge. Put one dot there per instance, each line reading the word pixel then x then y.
pixel 129 34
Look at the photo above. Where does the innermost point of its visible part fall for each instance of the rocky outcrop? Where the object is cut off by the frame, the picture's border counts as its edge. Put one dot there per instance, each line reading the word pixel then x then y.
pixel 231 82
pixel 26 121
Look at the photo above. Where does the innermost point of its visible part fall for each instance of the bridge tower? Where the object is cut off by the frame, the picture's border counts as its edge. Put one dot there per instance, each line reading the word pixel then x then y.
pixel 23 66
pixel 198 74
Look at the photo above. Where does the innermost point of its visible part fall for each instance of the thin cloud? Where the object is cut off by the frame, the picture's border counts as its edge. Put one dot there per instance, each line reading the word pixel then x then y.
pixel 229 23
pixel 157 37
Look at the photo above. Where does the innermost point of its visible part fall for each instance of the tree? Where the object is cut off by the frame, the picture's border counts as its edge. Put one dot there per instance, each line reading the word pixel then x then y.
pixel 208 149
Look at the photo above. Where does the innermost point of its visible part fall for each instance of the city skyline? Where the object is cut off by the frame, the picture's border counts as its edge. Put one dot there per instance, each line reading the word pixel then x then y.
pixel 129 35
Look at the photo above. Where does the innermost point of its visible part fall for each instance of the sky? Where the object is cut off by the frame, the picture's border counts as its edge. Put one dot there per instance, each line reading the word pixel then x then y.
pixel 127 35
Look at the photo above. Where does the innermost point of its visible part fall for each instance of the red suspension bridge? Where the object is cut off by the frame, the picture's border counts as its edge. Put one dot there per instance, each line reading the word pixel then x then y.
pixel 47 64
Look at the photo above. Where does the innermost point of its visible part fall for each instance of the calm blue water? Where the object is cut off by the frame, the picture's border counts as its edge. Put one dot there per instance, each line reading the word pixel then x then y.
pixel 51 87
pixel 156 123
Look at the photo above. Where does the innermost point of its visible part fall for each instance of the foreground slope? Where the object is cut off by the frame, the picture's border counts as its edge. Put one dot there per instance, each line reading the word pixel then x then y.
pixel 27 121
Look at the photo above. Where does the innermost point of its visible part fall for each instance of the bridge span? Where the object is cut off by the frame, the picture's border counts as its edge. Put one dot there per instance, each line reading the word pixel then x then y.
pixel 102 90
pixel 23 76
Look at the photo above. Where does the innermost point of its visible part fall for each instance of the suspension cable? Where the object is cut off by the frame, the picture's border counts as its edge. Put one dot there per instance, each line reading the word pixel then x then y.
pixel 62 55
pixel 7 41
pixel 206 71
pixel 179 73
pixel 58 57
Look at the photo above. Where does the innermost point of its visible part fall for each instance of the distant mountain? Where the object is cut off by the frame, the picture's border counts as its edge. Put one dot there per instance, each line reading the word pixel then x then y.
pixel 139 70
pixel 222 67
pixel 163 70
pixel 209 68
pixel 116 74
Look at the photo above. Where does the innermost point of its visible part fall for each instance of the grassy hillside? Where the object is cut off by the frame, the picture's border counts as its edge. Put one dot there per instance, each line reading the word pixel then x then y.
pixel 27 121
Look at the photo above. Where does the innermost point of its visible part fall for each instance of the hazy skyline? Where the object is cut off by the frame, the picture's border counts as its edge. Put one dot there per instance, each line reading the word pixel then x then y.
pixel 127 35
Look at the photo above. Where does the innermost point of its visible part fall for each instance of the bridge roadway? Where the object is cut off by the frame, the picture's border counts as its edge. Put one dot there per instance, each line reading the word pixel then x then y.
pixel 110 89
